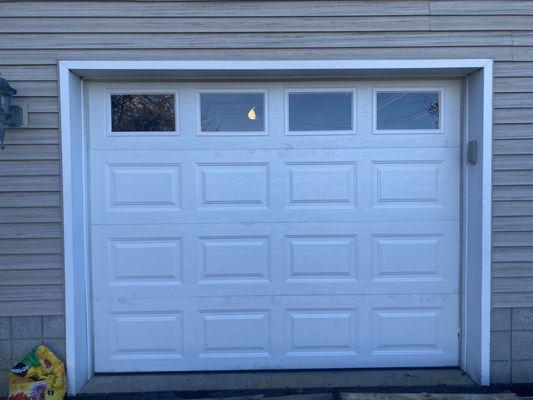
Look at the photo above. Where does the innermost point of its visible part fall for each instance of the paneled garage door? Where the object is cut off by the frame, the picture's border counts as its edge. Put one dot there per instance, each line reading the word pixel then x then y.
pixel 274 225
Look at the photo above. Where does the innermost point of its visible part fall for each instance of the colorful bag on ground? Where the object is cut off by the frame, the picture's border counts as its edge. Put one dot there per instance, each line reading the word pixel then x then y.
pixel 39 376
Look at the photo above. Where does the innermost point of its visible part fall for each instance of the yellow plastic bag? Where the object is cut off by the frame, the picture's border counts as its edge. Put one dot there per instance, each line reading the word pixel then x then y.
pixel 39 376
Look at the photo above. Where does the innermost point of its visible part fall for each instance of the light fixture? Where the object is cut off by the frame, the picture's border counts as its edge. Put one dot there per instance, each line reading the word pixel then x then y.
pixel 9 115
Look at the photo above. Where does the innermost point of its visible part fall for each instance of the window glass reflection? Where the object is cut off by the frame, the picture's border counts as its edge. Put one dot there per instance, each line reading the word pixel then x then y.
pixel 232 112
pixel 143 113
pixel 320 111
pixel 408 110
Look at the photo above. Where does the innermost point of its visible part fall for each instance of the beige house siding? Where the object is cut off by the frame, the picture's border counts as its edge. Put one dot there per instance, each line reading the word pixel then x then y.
pixel 35 35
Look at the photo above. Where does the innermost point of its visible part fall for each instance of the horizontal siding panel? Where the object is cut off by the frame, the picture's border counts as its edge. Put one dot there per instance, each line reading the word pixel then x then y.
pixel 520 177
pixel 254 40
pixel 29 183
pixel 45 108
pixel 30 152
pixel 33 292
pixel 480 23
pixel 509 270
pixel 40 104
pixel 509 224
pixel 513 162
pixel 513 85
pixel 513 69
pixel 21 308
pixel 28 73
pixel 30 215
pixel 513 116
pixel 522 53
pixel 43 120
pixel 29 199
pixel 28 168
pixel 35 104
pixel 511 254
pixel 512 208
pixel 35 277
pixel 35 88
pixel 215 9
pixel 512 285
pixel 513 131
pixel 523 38
pixel 32 136
pixel 512 299
pixel 26 231
pixel 31 261
pixel 458 7
pixel 512 193
pixel 516 146
pixel 513 100
pixel 44 56
pixel 31 246
pixel 515 239
pixel 214 25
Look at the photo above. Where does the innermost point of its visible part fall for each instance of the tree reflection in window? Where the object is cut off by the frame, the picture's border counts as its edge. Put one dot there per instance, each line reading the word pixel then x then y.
pixel 143 113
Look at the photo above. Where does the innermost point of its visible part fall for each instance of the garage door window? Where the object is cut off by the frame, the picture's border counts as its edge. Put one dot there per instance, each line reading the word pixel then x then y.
pixel 315 112
pixel 143 113
pixel 227 112
pixel 407 111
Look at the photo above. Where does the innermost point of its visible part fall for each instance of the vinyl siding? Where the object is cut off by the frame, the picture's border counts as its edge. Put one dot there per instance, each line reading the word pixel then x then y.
pixel 34 35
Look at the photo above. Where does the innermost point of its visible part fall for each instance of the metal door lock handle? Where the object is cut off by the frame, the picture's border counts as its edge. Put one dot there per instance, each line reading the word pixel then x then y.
pixel 472 152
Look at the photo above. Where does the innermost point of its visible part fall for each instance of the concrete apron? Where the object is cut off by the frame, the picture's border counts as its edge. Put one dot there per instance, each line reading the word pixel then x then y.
pixel 332 396
pixel 239 383
pixel 427 396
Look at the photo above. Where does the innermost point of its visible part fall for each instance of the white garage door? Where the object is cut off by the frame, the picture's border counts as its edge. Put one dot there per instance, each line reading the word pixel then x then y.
pixel 275 225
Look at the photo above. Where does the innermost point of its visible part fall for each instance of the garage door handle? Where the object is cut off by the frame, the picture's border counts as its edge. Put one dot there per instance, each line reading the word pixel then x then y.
pixel 472 151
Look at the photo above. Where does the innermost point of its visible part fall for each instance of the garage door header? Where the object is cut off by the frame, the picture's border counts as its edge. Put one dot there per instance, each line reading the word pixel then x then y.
pixel 263 69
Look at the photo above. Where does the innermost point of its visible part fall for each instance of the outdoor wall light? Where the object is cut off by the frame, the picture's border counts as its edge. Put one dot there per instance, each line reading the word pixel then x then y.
pixel 9 115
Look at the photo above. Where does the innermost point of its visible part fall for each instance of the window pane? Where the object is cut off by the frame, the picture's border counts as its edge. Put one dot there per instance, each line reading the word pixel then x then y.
pixel 232 112
pixel 320 111
pixel 408 110
pixel 143 113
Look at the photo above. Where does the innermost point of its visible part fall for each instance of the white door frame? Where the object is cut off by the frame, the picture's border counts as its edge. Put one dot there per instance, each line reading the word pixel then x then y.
pixel 477 178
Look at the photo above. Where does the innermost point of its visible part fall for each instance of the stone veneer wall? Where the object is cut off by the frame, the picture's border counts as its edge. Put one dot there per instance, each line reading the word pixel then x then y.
pixel 512 345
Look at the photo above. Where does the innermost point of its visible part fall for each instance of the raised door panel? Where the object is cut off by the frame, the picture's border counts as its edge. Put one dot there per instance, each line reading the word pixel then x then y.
pixel 171 186
pixel 187 260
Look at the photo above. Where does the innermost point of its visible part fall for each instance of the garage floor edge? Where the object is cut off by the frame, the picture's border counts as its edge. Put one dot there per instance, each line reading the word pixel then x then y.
pixel 292 380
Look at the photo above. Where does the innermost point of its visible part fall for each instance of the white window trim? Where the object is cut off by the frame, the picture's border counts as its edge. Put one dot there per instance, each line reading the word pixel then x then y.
pixel 320 89
pixel 476 282
pixel 133 91
pixel 389 89
pixel 214 134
